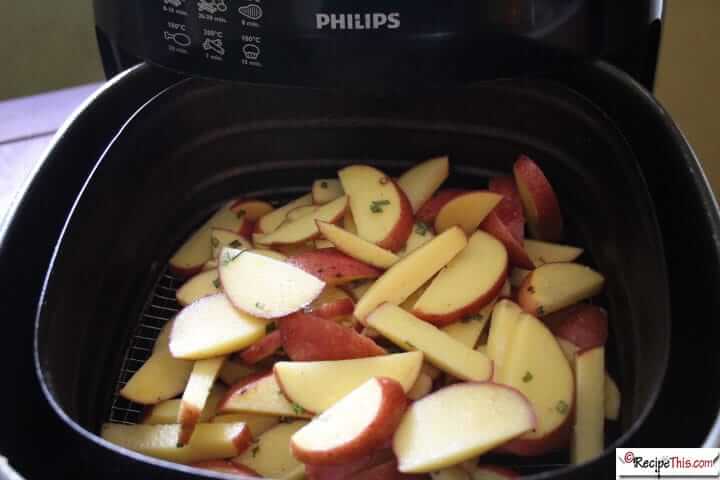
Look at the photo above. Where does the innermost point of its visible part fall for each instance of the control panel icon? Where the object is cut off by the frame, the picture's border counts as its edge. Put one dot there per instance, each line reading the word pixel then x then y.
pixel 212 6
pixel 251 51
pixel 179 38
pixel 252 11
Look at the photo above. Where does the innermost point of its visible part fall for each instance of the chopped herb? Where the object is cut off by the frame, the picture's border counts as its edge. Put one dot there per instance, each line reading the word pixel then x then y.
pixel 216 283
pixel 561 407
pixel 297 409
pixel 376 205
pixel 323 184
pixel 235 244
pixel 531 289
pixel 384 180
pixel 259 306
pixel 255 450
pixel 470 318
pixel 214 242
pixel 540 311
pixel 240 213
pixel 527 377
pixel 270 327
pixel 421 228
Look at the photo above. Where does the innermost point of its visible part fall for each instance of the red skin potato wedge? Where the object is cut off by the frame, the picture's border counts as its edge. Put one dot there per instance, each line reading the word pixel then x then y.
pixel 555 440
pixel 334 310
pixel 237 389
pixel 223 466
pixel 583 325
pixel 247 229
pixel 510 209
pixel 430 209
pixel 333 267
pixel 393 405
pixel 334 303
pixel 497 228
pixel 474 307
pixel 397 237
pixel 262 349
pixel 500 471
pixel 254 209
pixel 308 337
pixel 378 456
pixel 546 223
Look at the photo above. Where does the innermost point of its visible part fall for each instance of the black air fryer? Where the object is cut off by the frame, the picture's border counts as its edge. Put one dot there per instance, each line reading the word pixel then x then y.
pixel 212 98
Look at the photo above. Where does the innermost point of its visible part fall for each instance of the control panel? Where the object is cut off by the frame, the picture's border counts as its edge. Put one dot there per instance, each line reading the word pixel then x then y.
pixel 337 42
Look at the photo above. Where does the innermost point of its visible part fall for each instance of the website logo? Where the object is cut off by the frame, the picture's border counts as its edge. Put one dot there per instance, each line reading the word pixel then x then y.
pixel 667 463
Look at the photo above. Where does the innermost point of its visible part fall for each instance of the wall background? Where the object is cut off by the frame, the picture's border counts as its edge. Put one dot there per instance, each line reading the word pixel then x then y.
pixel 61 52
pixel 45 45
pixel 688 82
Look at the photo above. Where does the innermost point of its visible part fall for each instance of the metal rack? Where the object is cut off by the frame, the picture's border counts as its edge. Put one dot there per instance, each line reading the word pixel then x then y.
pixel 160 308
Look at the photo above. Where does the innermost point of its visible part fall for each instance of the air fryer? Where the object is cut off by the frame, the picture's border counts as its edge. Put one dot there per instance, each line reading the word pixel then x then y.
pixel 162 145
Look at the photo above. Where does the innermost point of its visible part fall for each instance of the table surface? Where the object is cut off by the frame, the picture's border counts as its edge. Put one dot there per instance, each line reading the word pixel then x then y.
pixel 27 126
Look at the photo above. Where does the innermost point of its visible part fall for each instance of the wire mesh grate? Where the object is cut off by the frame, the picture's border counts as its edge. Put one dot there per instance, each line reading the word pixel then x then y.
pixel 161 307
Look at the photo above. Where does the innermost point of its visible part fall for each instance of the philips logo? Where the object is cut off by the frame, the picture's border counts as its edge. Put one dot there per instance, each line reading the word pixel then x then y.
pixel 357 21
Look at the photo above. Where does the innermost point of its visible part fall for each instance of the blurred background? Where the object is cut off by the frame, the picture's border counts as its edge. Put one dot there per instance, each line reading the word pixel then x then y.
pixel 63 36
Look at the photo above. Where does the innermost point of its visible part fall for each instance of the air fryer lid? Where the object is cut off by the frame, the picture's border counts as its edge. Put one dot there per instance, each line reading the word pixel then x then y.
pixel 375 42
pixel 211 141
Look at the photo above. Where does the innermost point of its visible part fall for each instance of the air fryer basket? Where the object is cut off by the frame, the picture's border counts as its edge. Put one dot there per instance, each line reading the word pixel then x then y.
pixel 201 143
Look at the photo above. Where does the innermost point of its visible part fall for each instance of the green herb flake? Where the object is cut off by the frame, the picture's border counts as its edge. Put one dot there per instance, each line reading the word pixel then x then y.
pixel 470 318
pixel 299 410
pixel 259 306
pixel 323 184
pixel 561 407
pixel 376 206
pixel 540 311
pixel 255 450
pixel 421 228
pixel 527 377
pixel 235 244
pixel 216 283
pixel 214 241
pixel 240 213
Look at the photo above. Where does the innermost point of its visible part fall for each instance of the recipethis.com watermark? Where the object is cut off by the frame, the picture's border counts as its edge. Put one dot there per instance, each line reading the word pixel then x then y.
pixel 667 463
